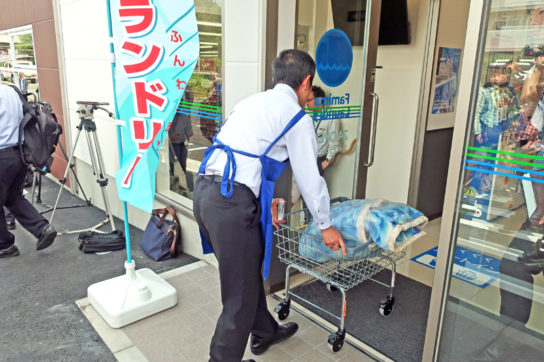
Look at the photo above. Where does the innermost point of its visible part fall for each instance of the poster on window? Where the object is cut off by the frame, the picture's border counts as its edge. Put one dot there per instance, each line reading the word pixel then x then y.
pixel 156 48
pixel 447 79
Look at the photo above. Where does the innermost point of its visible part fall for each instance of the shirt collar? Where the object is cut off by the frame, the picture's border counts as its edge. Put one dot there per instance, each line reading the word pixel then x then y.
pixel 287 90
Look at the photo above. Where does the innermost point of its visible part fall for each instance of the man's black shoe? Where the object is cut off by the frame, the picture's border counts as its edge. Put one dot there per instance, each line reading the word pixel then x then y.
pixel 47 237
pixel 534 257
pixel 260 345
pixel 11 225
pixel 9 252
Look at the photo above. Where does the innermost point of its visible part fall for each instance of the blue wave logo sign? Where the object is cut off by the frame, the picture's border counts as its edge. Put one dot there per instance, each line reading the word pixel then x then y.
pixel 334 57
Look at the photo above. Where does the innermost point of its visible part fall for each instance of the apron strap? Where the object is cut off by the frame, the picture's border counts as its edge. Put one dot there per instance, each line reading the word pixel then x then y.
pixel 229 172
pixel 290 125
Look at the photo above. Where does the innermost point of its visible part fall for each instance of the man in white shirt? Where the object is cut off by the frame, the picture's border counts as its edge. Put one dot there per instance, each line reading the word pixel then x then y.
pixel 231 197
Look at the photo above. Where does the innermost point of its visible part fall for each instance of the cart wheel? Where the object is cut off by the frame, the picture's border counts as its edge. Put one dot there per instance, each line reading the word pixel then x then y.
pixel 386 306
pixel 336 341
pixel 282 309
pixel 331 288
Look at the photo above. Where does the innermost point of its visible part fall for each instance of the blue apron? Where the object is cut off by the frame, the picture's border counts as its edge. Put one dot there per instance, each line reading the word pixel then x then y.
pixel 271 170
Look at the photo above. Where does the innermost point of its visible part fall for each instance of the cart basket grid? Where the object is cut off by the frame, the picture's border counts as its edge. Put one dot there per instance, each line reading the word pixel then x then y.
pixel 339 272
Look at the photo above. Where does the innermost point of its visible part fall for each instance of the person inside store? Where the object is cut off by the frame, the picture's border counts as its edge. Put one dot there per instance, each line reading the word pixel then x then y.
pixel 234 205
pixel 181 132
pixel 326 131
pixel 496 112
pixel 22 83
pixel 12 177
pixel 326 135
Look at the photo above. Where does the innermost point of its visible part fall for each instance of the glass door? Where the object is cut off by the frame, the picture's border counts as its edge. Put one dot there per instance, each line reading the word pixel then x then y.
pixel 342 36
pixel 493 305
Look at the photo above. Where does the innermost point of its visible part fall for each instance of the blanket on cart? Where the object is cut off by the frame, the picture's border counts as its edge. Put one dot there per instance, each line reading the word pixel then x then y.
pixel 364 225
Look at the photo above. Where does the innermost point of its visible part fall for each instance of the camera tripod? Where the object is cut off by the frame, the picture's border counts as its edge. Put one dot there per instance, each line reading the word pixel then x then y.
pixel 87 124
pixel 37 182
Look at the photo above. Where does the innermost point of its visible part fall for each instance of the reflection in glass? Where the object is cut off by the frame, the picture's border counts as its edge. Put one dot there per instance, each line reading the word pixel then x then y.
pixel 17 61
pixel 199 114
pixel 495 307
pixel 335 106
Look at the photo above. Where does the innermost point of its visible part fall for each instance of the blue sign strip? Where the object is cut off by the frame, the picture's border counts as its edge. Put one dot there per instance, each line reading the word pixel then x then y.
pixel 470 266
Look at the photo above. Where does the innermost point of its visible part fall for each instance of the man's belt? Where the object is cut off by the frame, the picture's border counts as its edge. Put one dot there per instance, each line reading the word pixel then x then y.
pixel 218 179
pixel 14 148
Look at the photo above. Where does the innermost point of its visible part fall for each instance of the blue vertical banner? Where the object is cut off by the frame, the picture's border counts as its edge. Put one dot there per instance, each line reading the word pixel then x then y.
pixel 156 45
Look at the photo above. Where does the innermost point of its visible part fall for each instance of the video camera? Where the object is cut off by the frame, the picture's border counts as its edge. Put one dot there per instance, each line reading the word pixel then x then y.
pixel 87 108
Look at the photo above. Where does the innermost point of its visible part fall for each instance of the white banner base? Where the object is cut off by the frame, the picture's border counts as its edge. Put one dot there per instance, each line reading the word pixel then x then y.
pixel 128 298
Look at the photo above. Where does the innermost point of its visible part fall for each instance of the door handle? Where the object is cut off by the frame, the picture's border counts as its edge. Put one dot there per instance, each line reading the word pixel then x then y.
pixel 375 110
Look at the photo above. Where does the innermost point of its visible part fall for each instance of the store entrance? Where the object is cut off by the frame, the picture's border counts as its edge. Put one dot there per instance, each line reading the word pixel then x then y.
pixel 365 112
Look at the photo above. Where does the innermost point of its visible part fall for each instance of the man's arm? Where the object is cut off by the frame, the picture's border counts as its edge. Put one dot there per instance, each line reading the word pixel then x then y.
pixel 302 150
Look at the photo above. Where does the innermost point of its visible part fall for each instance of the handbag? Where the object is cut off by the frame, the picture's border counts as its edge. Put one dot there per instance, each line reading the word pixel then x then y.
pixel 161 239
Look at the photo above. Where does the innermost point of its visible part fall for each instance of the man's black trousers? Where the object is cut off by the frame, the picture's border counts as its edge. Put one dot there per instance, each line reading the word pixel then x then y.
pixel 516 304
pixel 181 153
pixel 232 226
pixel 12 178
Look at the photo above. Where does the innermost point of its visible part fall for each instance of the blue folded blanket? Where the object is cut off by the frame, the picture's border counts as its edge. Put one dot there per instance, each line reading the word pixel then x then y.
pixel 365 224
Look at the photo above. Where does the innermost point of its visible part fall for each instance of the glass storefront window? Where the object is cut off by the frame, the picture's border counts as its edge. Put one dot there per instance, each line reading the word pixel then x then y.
pixel 17 60
pixel 199 114
pixel 495 306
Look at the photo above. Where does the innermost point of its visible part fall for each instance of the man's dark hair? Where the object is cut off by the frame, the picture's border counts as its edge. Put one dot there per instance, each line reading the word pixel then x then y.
pixel 318 92
pixel 292 66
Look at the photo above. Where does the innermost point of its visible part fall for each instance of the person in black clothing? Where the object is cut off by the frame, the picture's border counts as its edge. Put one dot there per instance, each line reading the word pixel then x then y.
pixel 10 219
pixel 12 177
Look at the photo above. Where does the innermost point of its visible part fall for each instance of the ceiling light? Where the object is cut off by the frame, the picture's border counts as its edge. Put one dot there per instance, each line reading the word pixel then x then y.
pixel 208 33
pixel 207 23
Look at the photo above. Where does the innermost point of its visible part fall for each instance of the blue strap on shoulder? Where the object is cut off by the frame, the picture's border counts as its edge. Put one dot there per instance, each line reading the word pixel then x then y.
pixel 290 125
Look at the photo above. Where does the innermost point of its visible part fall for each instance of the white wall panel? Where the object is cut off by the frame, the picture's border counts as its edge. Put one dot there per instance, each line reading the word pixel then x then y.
pixel 243 30
pixel 246 77
pixel 244 46
pixel 286 24
pixel 85 30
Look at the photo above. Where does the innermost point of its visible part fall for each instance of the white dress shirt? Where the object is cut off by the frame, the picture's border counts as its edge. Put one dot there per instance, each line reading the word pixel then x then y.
pixel 11 115
pixel 253 125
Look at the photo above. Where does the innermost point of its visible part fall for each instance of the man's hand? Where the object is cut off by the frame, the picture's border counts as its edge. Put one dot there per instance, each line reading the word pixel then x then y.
pixel 532 147
pixel 274 211
pixel 324 164
pixel 333 240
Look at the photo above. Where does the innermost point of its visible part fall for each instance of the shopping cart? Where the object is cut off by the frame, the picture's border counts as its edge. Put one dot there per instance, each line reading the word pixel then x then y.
pixel 338 274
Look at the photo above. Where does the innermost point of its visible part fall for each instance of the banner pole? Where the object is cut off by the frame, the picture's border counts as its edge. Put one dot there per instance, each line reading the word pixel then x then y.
pixel 118 129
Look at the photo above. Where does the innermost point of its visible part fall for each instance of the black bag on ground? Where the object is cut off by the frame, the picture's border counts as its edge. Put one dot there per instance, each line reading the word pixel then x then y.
pixel 162 238
pixel 93 242
pixel 41 132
